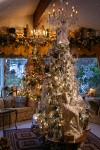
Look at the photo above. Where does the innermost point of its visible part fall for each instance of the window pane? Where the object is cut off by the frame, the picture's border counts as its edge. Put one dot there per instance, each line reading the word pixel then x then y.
pixel 14 71
pixel 88 74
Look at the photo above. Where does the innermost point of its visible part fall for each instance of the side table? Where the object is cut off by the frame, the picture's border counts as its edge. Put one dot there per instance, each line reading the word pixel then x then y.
pixel 7 112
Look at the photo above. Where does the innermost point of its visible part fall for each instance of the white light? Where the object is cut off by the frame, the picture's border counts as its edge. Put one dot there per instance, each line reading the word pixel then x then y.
pixel 61 17
pixel 31 32
pixel 53 5
pixel 66 3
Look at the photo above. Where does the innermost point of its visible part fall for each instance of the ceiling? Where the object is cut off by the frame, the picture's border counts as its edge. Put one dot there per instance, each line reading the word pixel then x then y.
pixel 15 8
pixel 17 12
pixel 88 12
pixel 21 12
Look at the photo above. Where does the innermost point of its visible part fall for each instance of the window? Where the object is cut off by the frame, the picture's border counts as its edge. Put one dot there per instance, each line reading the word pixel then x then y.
pixel 14 71
pixel 11 71
pixel 88 74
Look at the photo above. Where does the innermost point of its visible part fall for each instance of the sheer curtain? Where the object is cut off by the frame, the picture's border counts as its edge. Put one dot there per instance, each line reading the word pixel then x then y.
pixel 1 77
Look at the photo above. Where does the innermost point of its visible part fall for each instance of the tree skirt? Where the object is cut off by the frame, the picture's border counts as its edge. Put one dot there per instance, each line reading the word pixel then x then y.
pixel 25 139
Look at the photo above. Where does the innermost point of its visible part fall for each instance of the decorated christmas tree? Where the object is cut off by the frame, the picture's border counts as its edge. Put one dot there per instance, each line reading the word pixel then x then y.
pixel 33 77
pixel 63 113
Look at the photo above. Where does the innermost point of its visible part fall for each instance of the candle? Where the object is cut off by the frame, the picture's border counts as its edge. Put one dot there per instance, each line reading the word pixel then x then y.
pixel 59 12
pixel 34 32
pixel 31 32
pixel 54 12
pixel 46 33
pixel 66 3
pixel 49 14
pixel 53 5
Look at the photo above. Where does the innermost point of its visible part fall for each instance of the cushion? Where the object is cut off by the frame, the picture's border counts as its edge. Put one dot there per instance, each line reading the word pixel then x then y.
pixel 9 102
pixel 24 109
pixel 32 103
pixel 20 101
pixel 1 103
pixel 98 91
pixel 94 107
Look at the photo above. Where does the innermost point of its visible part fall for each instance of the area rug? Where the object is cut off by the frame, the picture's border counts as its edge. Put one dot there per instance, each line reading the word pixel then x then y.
pixel 22 139
pixel 25 139
pixel 92 142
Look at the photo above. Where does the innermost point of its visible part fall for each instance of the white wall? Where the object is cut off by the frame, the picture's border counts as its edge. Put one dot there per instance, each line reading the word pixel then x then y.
pixel 17 13
pixel 17 21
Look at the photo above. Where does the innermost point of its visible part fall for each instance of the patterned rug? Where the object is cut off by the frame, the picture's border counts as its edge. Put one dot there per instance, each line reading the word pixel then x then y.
pixel 22 139
pixel 92 142
pixel 25 139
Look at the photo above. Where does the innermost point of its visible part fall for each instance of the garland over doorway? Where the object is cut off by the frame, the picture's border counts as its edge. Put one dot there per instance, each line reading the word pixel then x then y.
pixel 19 43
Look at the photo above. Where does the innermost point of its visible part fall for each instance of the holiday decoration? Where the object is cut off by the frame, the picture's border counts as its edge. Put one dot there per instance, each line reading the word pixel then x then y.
pixel 62 36
pixel 85 37
pixel 16 41
pixel 62 114
pixel 33 77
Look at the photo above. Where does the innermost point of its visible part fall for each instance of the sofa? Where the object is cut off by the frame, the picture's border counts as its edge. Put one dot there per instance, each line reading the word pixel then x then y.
pixel 25 109
pixel 94 107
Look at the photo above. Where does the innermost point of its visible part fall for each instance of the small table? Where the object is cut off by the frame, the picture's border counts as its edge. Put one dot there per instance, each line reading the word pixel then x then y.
pixel 7 112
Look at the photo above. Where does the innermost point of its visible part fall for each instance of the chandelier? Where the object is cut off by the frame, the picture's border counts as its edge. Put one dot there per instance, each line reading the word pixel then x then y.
pixel 42 35
pixel 61 16
pixel 42 32
pixel 61 20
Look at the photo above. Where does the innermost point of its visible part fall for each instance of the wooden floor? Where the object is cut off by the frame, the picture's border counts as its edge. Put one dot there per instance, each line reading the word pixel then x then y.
pixel 95 128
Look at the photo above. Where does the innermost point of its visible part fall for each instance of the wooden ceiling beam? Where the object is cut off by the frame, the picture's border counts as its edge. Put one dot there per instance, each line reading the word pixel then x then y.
pixel 43 4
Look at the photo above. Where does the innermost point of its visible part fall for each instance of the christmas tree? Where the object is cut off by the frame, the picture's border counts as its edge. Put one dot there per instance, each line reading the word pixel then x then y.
pixel 62 112
pixel 33 77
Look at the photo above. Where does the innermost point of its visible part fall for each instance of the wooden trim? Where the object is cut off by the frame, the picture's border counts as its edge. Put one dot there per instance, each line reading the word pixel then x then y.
pixel 43 4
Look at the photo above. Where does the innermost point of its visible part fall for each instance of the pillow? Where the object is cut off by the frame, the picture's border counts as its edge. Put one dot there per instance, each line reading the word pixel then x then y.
pixel 1 103
pixel 94 107
pixel 98 91
pixel 20 101
pixel 9 102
